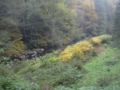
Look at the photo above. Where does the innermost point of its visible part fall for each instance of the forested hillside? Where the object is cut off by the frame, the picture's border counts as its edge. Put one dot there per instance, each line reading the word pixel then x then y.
pixel 59 45
pixel 53 24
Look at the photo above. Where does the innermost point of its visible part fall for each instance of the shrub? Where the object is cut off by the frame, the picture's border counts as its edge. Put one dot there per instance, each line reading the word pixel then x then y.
pixel 4 59
pixel 82 49
pixel 8 83
pixel 16 48
pixel 67 54
pixel 100 39
pixel 77 50
pixel 96 40
pixel 57 74
pixel 51 74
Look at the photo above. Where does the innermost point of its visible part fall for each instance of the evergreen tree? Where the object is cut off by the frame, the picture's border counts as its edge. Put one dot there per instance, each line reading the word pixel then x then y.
pixel 116 31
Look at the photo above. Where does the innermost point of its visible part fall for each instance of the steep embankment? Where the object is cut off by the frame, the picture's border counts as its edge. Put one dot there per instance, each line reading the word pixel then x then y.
pixel 50 72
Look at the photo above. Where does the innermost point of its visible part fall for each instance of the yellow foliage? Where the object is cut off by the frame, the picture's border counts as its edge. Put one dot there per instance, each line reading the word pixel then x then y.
pixel 106 37
pixel 16 48
pixel 100 39
pixel 67 54
pixel 77 50
pixel 19 46
pixel 84 46
pixel 96 40
pixel 82 49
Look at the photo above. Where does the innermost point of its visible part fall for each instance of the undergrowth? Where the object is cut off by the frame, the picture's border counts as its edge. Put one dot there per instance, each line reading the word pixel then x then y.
pixel 101 72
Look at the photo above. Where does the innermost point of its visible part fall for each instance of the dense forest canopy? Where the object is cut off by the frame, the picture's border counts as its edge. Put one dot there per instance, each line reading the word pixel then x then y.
pixel 54 23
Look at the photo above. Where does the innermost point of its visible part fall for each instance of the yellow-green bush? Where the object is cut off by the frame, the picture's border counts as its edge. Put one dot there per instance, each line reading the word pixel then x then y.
pixel 96 40
pixel 67 54
pixel 16 48
pixel 77 50
pixel 100 39
pixel 82 49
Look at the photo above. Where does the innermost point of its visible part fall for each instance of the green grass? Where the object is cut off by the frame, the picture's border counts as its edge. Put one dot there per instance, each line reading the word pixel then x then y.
pixel 102 70
pixel 100 73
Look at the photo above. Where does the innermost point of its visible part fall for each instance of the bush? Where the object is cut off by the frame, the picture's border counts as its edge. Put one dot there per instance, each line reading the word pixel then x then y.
pixel 96 40
pixel 78 50
pixel 8 83
pixel 100 39
pixel 16 48
pixel 4 59
pixel 50 74
pixel 67 54
pixel 82 49
pixel 55 74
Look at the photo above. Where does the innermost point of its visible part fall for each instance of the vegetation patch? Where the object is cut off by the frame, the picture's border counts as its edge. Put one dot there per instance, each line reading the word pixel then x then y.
pixel 82 49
